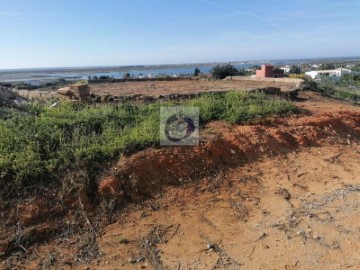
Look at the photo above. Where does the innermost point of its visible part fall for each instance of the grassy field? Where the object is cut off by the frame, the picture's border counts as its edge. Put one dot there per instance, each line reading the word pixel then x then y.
pixel 42 145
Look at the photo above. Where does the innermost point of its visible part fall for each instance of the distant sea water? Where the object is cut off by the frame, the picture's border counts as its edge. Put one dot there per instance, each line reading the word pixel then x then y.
pixel 50 74
pixel 39 75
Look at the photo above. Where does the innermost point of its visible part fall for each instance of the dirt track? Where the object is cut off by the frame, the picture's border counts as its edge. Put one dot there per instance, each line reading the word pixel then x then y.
pixel 285 195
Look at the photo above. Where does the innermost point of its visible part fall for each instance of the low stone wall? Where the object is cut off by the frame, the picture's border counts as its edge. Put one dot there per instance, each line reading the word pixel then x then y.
pixel 142 80
pixel 179 97
pixel 296 82
pixel 37 94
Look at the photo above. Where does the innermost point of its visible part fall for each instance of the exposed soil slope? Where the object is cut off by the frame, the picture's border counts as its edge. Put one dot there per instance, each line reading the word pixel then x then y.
pixel 277 194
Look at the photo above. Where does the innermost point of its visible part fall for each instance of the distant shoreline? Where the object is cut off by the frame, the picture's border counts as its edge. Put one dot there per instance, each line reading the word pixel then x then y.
pixel 161 66
pixel 76 73
pixel 100 68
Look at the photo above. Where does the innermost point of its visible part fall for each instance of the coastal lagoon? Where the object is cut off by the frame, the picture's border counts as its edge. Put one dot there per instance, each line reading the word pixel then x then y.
pixel 39 75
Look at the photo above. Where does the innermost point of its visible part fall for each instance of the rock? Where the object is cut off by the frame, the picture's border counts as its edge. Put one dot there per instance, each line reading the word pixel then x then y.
pixel 79 91
pixel 211 247
pixel 136 260
pixel 65 91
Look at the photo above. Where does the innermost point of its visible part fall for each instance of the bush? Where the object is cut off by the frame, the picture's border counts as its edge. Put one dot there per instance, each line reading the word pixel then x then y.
pixel 295 69
pixel 345 89
pixel 41 146
pixel 221 72
pixel 310 84
pixel 197 72
pixel 103 77
pixel 327 66
pixel 344 94
pixel 356 67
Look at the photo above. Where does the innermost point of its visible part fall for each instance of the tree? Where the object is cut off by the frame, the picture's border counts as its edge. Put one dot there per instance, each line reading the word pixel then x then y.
pixel 356 67
pixel 221 72
pixel 310 84
pixel 197 72
pixel 327 66
pixel 243 72
pixel 295 69
pixel 255 67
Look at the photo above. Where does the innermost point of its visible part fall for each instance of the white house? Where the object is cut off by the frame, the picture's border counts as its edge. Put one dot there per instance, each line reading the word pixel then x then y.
pixel 315 66
pixel 286 69
pixel 335 73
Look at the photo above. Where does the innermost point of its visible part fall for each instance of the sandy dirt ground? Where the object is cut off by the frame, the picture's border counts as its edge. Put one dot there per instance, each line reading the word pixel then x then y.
pixel 291 212
pixel 161 88
pixel 287 197
pixel 182 87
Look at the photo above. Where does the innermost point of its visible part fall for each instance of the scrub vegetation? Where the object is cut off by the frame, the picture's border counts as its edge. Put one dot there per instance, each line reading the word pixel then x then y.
pixel 40 146
pixel 347 88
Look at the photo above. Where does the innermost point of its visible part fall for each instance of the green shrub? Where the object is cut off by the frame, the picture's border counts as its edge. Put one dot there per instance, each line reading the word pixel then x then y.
pixel 344 94
pixel 221 72
pixel 295 69
pixel 41 146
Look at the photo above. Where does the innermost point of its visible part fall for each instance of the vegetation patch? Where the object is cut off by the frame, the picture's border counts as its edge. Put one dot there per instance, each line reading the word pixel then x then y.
pixel 347 88
pixel 223 71
pixel 38 147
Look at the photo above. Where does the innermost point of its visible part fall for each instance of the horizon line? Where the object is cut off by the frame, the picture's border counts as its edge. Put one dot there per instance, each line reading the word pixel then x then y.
pixel 174 64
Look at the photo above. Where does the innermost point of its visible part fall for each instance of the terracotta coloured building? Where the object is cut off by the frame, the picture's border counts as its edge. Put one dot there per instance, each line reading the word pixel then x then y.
pixel 267 71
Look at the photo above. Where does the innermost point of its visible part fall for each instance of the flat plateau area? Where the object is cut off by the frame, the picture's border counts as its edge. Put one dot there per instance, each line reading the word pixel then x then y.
pixel 192 86
pixel 162 88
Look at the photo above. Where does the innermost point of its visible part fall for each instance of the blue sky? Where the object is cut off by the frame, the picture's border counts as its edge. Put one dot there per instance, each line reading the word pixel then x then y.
pixel 55 33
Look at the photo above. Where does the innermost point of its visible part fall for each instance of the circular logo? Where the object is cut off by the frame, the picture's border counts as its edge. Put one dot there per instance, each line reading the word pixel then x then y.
pixel 179 127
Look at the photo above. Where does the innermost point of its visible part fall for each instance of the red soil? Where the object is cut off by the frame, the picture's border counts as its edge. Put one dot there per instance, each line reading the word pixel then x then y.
pixel 262 196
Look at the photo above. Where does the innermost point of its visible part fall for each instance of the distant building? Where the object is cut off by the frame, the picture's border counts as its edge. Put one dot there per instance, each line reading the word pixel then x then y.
pixel 286 69
pixel 268 71
pixel 315 66
pixel 334 73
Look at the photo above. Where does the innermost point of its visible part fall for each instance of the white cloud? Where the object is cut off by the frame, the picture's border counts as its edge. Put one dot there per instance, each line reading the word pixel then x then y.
pixel 3 14
pixel 241 13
